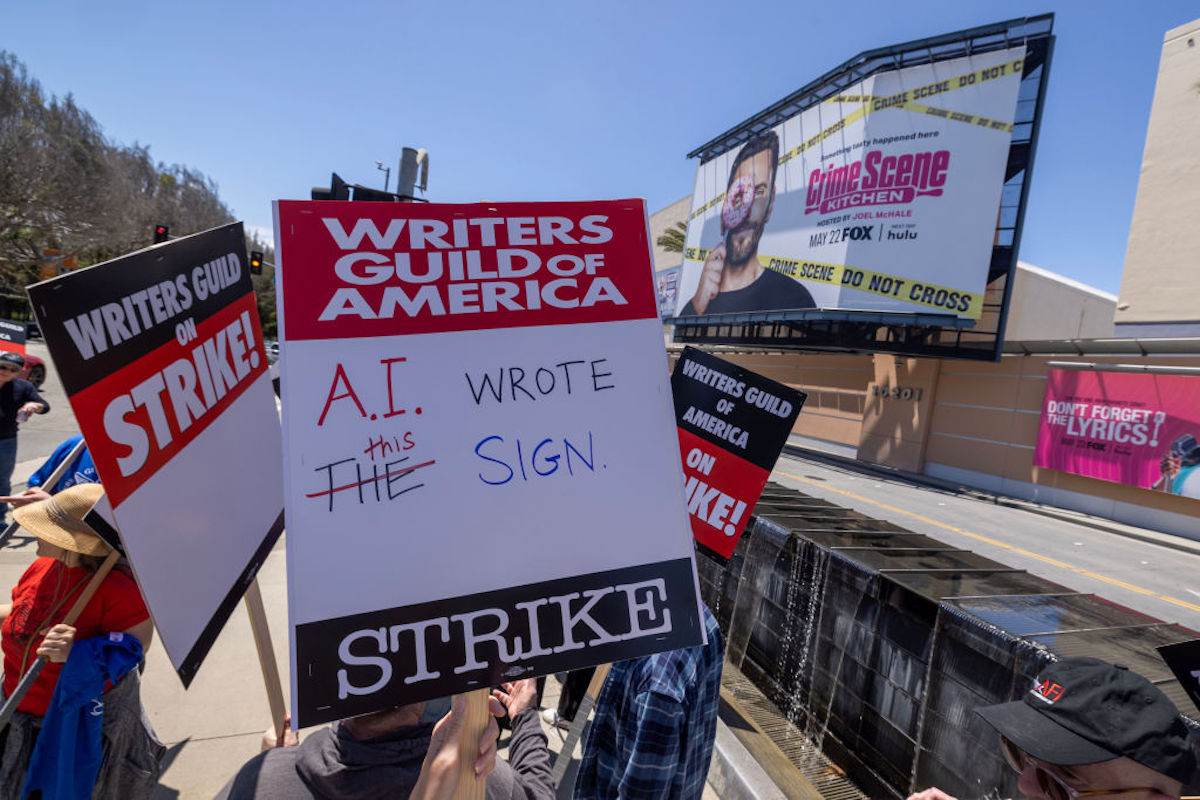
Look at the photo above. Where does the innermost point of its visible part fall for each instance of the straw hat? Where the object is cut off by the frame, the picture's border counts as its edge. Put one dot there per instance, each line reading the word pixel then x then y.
pixel 59 520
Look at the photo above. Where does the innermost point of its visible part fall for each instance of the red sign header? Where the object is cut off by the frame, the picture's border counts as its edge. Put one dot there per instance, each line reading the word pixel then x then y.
pixel 380 269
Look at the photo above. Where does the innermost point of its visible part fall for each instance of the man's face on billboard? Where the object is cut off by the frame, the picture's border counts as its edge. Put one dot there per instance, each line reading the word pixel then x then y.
pixel 741 242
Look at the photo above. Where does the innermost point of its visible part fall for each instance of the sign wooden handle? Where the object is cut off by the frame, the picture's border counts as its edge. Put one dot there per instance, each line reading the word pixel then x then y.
pixel 477 720
pixel 93 586
pixel 266 657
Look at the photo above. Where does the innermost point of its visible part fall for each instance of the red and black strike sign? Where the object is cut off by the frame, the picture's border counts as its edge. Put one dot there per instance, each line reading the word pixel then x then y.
pixel 733 424
pixel 152 348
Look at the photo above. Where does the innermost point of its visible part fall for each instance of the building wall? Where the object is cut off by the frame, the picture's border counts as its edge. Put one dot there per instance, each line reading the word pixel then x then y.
pixel 836 385
pixel 983 433
pixel 1045 306
pixel 1164 239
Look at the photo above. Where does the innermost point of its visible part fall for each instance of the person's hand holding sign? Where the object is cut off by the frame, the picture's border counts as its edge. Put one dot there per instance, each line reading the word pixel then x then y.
pixel 710 278
pixel 441 771
pixel 57 644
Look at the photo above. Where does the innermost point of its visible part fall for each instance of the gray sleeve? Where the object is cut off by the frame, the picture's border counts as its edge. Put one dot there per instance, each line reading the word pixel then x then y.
pixel 527 775
pixel 268 776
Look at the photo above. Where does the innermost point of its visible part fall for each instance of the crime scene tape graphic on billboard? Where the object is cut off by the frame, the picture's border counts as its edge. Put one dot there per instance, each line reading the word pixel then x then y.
pixel 881 198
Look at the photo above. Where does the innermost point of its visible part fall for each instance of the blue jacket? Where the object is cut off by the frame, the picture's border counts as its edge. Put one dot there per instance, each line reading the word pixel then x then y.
pixel 70 748
pixel 82 471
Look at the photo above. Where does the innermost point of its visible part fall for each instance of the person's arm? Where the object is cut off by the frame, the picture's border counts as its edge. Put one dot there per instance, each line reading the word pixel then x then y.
pixel 32 402
pixel 56 646
pixel 143 632
pixel 933 793
pixel 440 770
pixel 528 753
pixel 26 497
pixel 5 610
pixel 657 748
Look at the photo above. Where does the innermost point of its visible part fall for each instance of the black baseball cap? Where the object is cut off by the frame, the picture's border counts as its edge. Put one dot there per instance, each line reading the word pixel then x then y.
pixel 1084 711
pixel 9 357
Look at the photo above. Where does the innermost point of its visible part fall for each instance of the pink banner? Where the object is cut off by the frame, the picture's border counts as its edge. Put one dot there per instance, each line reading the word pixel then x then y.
pixel 1126 427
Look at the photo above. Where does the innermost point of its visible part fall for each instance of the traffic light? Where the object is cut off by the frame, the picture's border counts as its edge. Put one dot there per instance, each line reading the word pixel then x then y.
pixel 255 262
pixel 363 193
pixel 338 190
pixel 161 234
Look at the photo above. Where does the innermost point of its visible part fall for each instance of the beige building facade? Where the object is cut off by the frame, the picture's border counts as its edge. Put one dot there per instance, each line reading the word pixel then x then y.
pixel 1158 287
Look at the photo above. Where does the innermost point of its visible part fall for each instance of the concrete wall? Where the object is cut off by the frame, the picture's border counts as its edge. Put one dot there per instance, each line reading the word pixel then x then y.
pixel 984 430
pixel 1160 278
pixel 1046 307
pixel 836 386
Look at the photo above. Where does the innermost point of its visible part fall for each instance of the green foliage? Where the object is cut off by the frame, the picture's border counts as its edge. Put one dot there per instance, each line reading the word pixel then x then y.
pixel 673 238
pixel 64 186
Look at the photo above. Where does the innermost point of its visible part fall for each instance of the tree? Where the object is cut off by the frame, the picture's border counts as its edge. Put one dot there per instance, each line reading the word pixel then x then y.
pixel 673 238
pixel 64 186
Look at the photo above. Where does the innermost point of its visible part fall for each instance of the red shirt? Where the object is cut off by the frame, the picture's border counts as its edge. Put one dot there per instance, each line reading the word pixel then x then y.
pixel 41 599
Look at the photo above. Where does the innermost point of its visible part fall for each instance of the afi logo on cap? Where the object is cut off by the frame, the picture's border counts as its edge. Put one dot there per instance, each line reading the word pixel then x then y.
pixel 1047 692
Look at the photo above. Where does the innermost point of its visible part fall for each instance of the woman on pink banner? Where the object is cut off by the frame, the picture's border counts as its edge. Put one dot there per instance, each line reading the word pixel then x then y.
pixel 1181 468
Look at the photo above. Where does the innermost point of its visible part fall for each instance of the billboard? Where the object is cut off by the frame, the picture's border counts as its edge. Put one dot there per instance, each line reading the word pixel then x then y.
pixel 482 473
pixel 883 197
pixel 1133 428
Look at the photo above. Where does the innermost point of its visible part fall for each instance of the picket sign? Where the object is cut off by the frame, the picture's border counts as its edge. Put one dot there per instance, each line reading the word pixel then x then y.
pixel 446 394
pixel 161 355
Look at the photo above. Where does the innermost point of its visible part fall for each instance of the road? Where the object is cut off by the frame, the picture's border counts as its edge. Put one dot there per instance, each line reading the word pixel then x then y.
pixel 1160 581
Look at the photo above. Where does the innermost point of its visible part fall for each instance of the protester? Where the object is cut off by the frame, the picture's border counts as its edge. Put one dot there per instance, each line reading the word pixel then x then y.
pixel 656 719
pixel 18 399
pixel 381 755
pixel 1088 728
pixel 69 553
pixel 574 687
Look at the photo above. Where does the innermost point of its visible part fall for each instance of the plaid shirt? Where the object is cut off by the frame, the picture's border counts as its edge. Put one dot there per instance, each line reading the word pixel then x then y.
pixel 655 722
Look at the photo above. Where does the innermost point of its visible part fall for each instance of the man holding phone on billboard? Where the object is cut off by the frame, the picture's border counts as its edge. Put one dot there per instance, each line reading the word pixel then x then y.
pixel 733 279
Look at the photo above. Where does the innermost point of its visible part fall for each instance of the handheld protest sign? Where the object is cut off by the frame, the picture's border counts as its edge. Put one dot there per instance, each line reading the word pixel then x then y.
pixel 482 472
pixel 12 336
pixel 161 356
pixel 733 423
pixel 1184 660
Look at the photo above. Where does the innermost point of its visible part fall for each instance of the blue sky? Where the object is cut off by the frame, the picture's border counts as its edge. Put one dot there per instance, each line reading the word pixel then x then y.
pixel 558 101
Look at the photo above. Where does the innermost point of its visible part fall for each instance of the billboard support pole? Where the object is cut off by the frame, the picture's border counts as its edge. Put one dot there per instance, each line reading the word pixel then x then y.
pixel 1002 324
pixel 266 657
